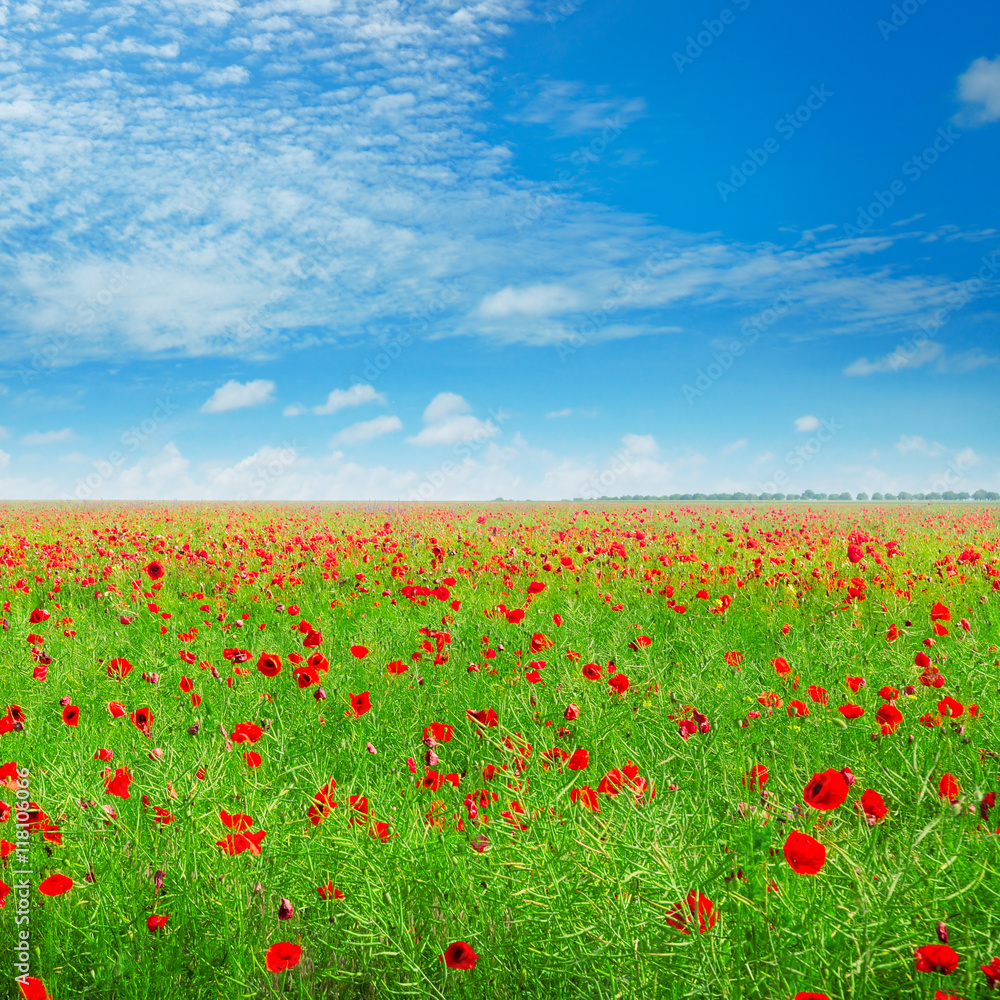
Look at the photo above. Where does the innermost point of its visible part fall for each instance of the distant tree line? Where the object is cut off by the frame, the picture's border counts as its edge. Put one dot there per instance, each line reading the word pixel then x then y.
pixel 949 495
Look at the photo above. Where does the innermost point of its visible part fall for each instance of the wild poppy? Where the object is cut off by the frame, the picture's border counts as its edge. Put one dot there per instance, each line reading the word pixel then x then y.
pixel 697 906
pixel 269 664
pixel 282 955
pixel 936 958
pixel 818 694
pixel 360 652
pixel 587 796
pixel 246 732
pixel 156 923
pixel 440 731
pixel 142 718
pixel 619 682
pixel 810 996
pixel 540 641
pixel 155 570
pixel 940 613
pixel 119 667
pixel 889 717
pixel 733 658
pixel 592 671
pixel 32 988
pixel 781 665
pixel 397 667
pixel 873 806
pixel 55 885
pixel 579 760
pixel 71 715
pixel 459 955
pixel 854 683
pixel 118 784
pixel 827 790
pixel 804 854
pixel 360 703
pixel 948 787
pixel 950 707
pixel 797 708
pixel 851 711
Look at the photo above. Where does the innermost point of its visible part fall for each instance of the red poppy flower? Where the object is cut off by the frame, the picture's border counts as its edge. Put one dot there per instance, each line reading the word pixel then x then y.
pixel 71 715
pixel 155 923
pixel 948 787
pixel 818 694
pixel 119 667
pixel 269 664
pixel 872 804
pixel 810 996
pixel 540 641
pixel 592 671
pixel 305 676
pixel 587 796
pixel 805 854
pixel 940 613
pixel 619 682
pixel 484 716
pixel 557 620
pixel 536 587
pixel 855 682
pixel 397 667
pixel 155 570
pixel 142 718
pixel 579 760
pixel 283 955
pixel 826 790
pixel 359 651
pixel 992 973
pixel 515 616
pixel 186 684
pixel 55 885
pixel 698 906
pixel 32 988
pixel 246 732
pixel 950 707
pixel 889 717
pixel 892 634
pixel 360 703
pixel 237 821
pixel 780 665
pixel 252 758
pixel 440 731
pixel 922 660
pixel 313 638
pixel 733 658
pixel 117 709
pixel 797 708
pixel 936 958
pixel 459 955
pixel 851 711
pixel 757 775
pixel 118 783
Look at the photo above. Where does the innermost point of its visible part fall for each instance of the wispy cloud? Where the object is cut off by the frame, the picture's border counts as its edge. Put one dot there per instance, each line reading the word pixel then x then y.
pixel 914 444
pixel 36 438
pixel 901 359
pixel 239 395
pixel 566 107
pixel 734 447
pixel 367 430
pixel 808 423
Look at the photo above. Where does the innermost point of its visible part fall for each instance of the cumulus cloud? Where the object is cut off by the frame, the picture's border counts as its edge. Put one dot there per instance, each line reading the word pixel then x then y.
pixel 979 90
pixel 808 423
pixel 447 420
pixel 367 430
pixel 226 76
pixel 340 399
pixel 239 395
pixel 532 300
pixel 36 438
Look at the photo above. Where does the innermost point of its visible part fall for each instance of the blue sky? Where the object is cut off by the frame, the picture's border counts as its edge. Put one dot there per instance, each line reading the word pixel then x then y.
pixel 327 249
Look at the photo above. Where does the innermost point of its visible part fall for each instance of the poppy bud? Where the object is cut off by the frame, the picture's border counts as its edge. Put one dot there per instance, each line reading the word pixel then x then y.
pixel 278 608
pixel 431 758
pixel 572 712
pixel 64 701
pixel 156 754
pixel 909 689
pixel 285 909
pixel 370 748
pixel 319 694
pixel 480 843
pixel 848 776
pixel 158 879
pixel 193 730
pixel 942 932
pixel 430 742
pixel 420 680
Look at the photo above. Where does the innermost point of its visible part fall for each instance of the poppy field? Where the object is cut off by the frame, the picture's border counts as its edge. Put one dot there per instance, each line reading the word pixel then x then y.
pixel 499 751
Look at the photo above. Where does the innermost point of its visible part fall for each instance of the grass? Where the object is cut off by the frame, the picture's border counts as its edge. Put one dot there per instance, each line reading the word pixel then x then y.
pixel 575 904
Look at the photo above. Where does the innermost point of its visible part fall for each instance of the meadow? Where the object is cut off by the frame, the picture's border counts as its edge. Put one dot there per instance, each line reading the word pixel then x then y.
pixel 497 751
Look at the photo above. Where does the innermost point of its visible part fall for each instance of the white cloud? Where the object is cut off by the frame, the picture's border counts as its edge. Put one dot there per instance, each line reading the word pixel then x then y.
pixel 340 399
pixel 559 414
pixel 901 359
pixel 367 430
pixel 4 461
pixel 734 447
pixel 967 457
pixel 979 89
pixel 239 395
pixel 294 410
pixel 808 423
pixel 36 438
pixel 914 444
pixel 225 76
pixel 641 445
pixel 533 300
pixel 4 433
pixel 447 421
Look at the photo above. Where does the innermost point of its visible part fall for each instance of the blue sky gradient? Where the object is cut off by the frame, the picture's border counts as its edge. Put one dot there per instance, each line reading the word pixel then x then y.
pixel 326 249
